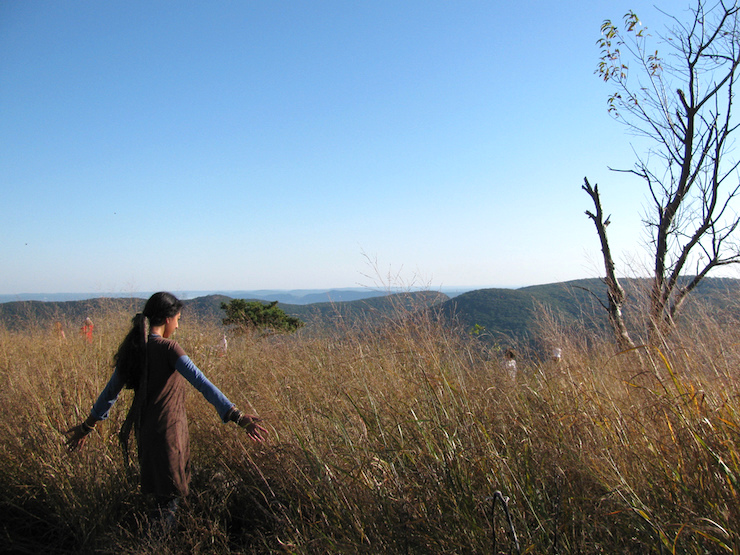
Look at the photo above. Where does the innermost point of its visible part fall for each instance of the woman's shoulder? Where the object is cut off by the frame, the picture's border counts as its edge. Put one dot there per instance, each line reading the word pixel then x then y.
pixel 167 344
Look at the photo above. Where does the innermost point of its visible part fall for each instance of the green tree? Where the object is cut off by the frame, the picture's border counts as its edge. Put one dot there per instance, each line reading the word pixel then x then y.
pixel 681 101
pixel 258 316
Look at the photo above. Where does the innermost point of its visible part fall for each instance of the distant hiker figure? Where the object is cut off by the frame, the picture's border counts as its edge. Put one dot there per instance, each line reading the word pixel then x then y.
pixel 59 331
pixel 87 329
pixel 223 346
pixel 510 362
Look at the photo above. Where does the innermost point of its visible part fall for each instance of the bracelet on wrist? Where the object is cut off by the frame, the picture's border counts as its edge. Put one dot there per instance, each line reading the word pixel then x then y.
pixel 235 415
pixel 87 428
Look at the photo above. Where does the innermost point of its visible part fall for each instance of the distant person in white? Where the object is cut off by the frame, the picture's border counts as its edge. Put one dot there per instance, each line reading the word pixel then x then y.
pixel 510 362
pixel 223 346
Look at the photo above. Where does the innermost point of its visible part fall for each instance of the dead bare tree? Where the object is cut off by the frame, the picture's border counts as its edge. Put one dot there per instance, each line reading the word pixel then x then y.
pixel 682 103
pixel 615 292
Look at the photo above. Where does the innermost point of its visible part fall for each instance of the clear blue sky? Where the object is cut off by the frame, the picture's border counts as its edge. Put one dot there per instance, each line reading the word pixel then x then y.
pixel 290 145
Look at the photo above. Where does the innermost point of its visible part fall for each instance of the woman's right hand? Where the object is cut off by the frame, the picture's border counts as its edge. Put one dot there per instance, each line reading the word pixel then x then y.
pixel 250 424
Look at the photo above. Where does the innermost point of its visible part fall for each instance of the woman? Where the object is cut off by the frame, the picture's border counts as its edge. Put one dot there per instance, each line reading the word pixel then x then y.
pixel 157 369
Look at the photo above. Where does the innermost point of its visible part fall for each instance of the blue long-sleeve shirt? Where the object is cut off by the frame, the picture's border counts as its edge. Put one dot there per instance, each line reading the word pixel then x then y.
pixel 186 367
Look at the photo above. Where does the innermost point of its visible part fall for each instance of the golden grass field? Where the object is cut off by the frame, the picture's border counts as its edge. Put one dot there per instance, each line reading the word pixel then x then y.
pixel 390 441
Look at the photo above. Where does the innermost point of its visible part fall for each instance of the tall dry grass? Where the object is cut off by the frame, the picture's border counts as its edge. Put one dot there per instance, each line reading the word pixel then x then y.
pixel 391 441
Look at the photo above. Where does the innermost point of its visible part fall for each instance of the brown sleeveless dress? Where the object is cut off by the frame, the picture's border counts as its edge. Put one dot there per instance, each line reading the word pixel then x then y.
pixel 163 438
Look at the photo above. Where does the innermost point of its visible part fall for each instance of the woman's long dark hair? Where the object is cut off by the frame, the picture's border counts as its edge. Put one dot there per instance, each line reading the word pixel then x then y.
pixel 130 360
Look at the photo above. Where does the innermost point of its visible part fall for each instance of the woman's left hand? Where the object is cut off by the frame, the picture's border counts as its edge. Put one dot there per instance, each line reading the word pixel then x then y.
pixel 76 437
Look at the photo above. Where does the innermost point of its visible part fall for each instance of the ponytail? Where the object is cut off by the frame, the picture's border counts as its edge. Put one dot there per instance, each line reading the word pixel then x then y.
pixel 130 360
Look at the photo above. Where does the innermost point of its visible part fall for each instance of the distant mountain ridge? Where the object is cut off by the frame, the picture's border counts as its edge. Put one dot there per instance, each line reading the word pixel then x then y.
pixel 291 296
pixel 20 314
pixel 510 313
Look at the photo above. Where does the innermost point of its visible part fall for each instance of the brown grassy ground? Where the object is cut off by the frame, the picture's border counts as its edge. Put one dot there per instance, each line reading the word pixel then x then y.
pixel 390 442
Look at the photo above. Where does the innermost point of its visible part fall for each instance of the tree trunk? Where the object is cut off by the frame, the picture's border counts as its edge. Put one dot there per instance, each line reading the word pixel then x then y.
pixel 615 292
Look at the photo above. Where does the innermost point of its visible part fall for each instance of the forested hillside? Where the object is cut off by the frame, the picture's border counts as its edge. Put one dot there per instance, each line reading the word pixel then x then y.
pixel 513 312
pixel 501 312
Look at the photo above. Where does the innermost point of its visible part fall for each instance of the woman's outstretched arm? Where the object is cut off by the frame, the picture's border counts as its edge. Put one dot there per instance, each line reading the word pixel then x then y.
pixel 77 435
pixel 225 408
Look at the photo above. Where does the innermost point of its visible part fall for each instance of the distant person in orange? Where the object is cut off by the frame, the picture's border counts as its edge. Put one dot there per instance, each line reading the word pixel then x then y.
pixel 87 329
